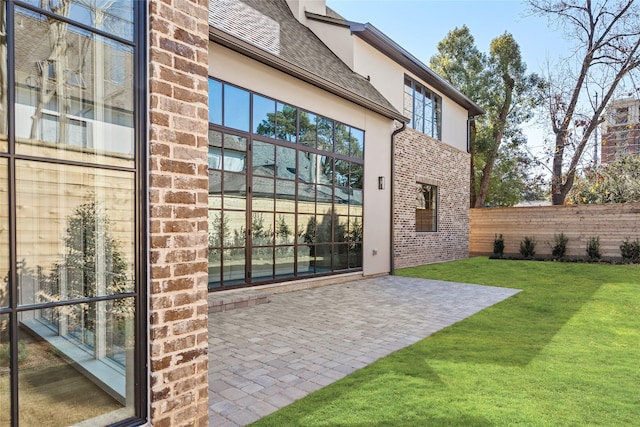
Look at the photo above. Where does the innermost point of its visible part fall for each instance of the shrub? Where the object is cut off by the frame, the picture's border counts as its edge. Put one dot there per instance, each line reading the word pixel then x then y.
pixel 593 248
pixel 528 247
pixel 498 246
pixel 559 247
pixel 630 250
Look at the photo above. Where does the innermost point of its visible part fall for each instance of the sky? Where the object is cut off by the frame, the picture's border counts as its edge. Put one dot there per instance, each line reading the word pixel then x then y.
pixel 418 26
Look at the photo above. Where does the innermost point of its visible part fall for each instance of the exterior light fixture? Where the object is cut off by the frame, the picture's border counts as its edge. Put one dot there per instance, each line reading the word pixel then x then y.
pixel 381 183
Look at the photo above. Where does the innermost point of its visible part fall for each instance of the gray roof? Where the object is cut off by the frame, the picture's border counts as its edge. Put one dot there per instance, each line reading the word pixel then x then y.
pixel 269 25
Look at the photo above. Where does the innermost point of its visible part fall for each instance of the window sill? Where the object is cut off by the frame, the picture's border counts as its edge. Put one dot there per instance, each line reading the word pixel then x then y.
pixel 107 375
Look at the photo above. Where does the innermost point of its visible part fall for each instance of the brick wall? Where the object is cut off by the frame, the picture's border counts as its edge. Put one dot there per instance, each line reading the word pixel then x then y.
pixel 423 159
pixel 178 43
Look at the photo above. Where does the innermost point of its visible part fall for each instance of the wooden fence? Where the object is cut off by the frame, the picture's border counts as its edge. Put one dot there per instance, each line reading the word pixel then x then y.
pixel 612 223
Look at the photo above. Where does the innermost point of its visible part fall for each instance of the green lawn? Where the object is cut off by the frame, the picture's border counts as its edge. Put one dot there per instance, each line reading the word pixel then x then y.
pixel 563 352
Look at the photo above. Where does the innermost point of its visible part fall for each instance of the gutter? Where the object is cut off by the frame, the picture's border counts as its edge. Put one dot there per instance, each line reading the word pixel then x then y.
pixel 392 191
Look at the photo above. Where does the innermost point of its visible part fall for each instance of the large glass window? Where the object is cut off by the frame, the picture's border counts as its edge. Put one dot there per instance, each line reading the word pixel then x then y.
pixel 285 199
pixel 69 243
pixel 423 107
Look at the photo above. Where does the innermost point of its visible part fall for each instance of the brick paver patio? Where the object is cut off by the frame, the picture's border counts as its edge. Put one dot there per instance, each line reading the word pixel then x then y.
pixel 263 358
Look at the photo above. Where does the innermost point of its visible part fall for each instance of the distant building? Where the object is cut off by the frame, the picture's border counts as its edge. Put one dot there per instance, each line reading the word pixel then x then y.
pixel 621 129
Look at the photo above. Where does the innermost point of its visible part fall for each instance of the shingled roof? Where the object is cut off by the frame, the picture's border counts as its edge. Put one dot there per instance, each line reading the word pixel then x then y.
pixel 268 32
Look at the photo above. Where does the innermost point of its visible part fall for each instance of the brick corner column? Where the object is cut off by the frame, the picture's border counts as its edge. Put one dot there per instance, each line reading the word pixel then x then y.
pixel 178 186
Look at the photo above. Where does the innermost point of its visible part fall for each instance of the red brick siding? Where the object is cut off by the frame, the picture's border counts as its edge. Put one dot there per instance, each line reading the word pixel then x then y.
pixel 178 64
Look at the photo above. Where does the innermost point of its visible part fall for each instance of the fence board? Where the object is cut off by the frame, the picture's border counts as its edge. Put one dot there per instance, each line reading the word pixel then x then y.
pixel 612 223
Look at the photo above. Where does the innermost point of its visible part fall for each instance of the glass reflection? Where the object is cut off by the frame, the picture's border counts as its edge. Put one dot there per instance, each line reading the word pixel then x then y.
pixel 235 153
pixel 285 229
pixel 215 189
pixel 307 129
pixel 3 78
pixel 235 191
pixel 216 229
pixel 286 163
pixel 341 229
pixel 356 143
pixel 235 228
pixel 284 264
pixel 307 229
pixel 80 354
pixel 5 396
pixel 4 235
pixel 75 232
pixel 340 257
pixel 263 194
pixel 342 139
pixel 325 170
pixel 67 107
pixel 214 267
pixel 215 102
pixel 262 232
pixel 341 175
pixel 325 134
pixel 324 197
pixel 286 122
pixel 355 229
pixel 113 16
pixel 285 196
pixel 306 166
pixel 355 203
pixel 306 260
pixel 215 150
pixel 236 108
pixel 355 255
pixel 233 270
pixel 264 116
pixel 323 259
pixel 324 227
pixel 356 176
pixel 262 263
pixel 264 158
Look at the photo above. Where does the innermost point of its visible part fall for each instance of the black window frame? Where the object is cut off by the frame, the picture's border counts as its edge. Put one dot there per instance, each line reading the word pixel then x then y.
pixel 138 44
pixel 435 118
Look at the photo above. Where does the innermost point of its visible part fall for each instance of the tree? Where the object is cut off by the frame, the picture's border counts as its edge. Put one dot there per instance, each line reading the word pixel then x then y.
pixel 498 82
pixel 618 182
pixel 607 43
pixel 461 63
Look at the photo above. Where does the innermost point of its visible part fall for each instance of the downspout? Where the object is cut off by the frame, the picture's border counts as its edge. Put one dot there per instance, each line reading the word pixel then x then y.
pixel 391 190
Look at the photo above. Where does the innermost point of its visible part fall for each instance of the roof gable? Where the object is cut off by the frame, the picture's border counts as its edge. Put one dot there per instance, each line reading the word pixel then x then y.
pixel 271 28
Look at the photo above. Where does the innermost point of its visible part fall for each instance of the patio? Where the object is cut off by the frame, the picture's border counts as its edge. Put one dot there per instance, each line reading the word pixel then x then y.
pixel 264 357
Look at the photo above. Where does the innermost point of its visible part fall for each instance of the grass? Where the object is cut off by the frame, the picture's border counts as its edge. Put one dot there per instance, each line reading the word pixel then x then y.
pixel 563 352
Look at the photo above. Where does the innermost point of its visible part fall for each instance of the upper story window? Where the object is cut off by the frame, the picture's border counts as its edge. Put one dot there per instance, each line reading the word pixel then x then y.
pixel 423 107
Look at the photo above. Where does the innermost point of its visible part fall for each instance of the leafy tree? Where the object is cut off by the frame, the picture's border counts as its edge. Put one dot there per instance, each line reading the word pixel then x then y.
pixel 498 82
pixel 618 182
pixel 607 47
pixel 282 124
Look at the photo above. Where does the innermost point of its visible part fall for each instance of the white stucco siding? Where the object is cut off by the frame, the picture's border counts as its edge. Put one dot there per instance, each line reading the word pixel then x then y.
pixel 388 77
pixel 337 38
pixel 237 69
pixel 454 124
